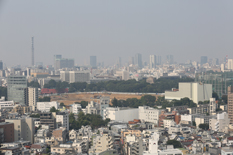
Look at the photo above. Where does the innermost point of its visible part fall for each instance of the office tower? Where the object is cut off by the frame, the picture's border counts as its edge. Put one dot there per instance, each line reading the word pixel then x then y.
pixel 159 61
pixel 1 65
pixel 152 61
pixel 48 118
pixel 230 103
pixel 93 61
pixel 60 62
pixel 230 64
pixel 203 59
pixel 65 76
pixel 215 62
pixel 170 59
pixel 15 88
pixel 24 129
pixel 131 60
pixel 32 51
pixel 138 60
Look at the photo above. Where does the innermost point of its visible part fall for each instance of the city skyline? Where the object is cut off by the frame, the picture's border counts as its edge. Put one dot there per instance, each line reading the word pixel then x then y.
pixel 109 30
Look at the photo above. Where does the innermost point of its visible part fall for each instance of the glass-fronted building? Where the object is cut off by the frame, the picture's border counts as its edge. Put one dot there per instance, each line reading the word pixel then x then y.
pixel 16 85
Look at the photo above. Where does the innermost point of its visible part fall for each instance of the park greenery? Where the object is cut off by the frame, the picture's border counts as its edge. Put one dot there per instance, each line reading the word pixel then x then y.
pixel 95 121
pixel 149 100
pixel 34 84
pixel 204 126
pixel 159 85
pixel 3 92
pixel 82 103
pixel 53 109
pixel 175 143
pixel 45 99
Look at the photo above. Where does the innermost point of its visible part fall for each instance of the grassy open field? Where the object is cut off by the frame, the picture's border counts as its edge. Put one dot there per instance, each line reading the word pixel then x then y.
pixel 68 99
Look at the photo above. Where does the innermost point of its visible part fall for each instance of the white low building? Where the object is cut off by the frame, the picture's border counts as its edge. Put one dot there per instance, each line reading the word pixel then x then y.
pixel 168 123
pixel 148 114
pixel 6 104
pixel 76 108
pixel 46 106
pixel 121 114
pixel 193 90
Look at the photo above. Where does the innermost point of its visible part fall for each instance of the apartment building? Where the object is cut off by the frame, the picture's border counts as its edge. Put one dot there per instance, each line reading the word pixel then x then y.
pixel 6 132
pixel 220 123
pixel 49 119
pixel 60 134
pixel 230 103
pixel 62 118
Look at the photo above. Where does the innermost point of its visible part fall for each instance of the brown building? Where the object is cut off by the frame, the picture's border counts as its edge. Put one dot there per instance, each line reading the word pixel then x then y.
pixel 48 118
pixel 60 134
pixel 230 104
pixel 169 115
pixel 21 109
pixel 6 132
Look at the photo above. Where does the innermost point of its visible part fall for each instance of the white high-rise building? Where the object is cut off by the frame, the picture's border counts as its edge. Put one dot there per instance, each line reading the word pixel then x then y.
pixel 230 64
pixel 148 114
pixel 195 91
pixel 125 75
pixel 152 61
pixel 32 97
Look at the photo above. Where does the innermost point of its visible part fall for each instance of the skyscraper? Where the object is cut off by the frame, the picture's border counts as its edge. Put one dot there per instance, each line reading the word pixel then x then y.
pixel 15 88
pixel 119 62
pixel 138 60
pixel 159 61
pixel 1 65
pixel 32 51
pixel 230 103
pixel 170 59
pixel 152 61
pixel 93 61
pixel 203 59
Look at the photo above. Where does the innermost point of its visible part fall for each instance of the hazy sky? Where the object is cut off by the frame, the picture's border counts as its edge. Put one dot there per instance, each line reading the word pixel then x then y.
pixel 108 29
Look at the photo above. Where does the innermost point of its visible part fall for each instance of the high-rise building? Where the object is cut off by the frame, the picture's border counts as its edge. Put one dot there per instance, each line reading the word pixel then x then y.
pixel 60 62
pixel 15 88
pixel 230 103
pixel 1 65
pixel 152 61
pixel 138 60
pixel 170 59
pixel 6 132
pixel 24 128
pixel 159 60
pixel 93 61
pixel 230 64
pixel 119 62
pixel 31 97
pixel 204 60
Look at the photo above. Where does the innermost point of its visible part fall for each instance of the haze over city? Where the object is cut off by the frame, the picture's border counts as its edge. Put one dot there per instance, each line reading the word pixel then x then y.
pixel 111 29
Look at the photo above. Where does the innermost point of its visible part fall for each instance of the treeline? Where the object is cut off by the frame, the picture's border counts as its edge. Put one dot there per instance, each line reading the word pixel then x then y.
pixel 151 101
pixel 95 121
pixel 3 92
pixel 159 85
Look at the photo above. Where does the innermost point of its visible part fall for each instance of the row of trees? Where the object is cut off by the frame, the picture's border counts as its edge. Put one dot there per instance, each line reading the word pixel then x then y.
pixel 149 100
pixel 159 85
pixel 95 121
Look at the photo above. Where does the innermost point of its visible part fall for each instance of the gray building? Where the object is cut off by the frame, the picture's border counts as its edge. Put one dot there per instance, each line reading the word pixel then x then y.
pixel 1 65
pixel 15 88
pixel 152 61
pixel 170 59
pixel 48 119
pixel 93 61
pixel 203 59
pixel 60 62
pixel 138 60
pixel 79 76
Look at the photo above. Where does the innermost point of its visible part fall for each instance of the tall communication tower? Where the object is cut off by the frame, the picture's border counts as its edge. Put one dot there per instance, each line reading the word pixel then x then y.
pixel 32 51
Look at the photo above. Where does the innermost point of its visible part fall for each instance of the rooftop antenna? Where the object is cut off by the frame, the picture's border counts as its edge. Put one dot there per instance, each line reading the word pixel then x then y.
pixel 32 51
